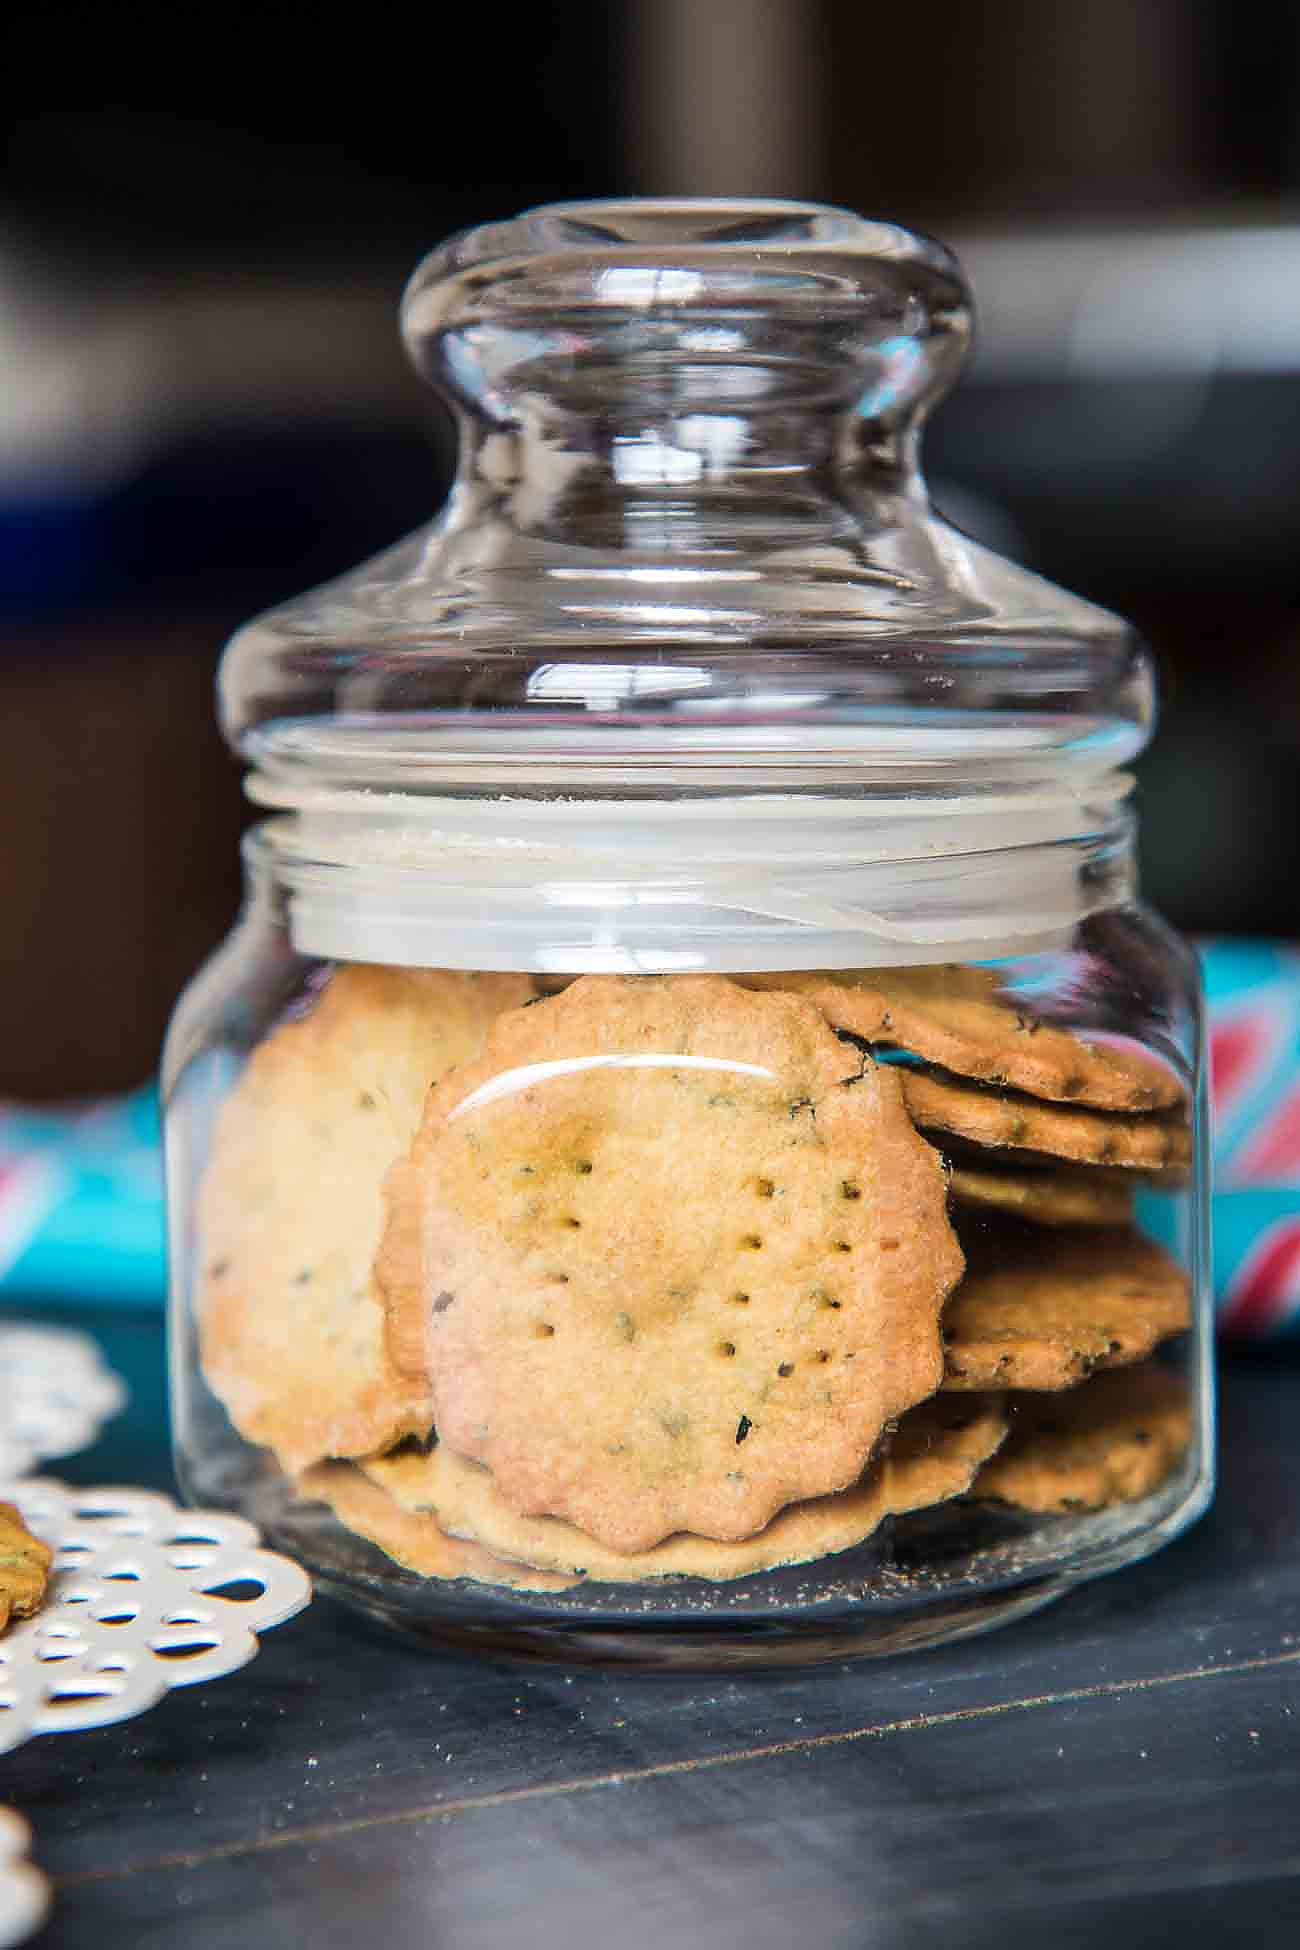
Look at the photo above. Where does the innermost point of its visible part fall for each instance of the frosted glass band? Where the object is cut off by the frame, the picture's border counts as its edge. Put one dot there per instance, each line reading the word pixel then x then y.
pixel 766 881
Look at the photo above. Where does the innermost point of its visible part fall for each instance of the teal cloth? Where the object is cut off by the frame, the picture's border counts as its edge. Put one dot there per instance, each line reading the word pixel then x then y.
pixel 81 1203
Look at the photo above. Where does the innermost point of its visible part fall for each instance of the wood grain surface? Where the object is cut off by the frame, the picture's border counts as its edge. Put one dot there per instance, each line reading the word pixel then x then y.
pixel 1123 1769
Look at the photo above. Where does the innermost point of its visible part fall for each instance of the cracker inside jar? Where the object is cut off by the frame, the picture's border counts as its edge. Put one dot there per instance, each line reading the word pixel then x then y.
pixel 670 1256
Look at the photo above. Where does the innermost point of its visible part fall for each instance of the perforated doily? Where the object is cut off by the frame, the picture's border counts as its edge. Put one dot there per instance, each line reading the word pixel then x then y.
pixel 143 1597
pixel 24 1892
pixel 55 1395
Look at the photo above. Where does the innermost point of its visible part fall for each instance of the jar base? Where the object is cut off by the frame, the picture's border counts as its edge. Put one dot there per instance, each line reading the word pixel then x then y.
pixel 921 1581
pixel 678 1651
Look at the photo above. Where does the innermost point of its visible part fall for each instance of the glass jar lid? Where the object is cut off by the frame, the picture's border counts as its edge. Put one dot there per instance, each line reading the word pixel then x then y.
pixel 688 548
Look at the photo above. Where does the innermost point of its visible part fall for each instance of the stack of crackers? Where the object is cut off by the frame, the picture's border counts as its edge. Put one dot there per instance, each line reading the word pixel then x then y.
pixel 686 1275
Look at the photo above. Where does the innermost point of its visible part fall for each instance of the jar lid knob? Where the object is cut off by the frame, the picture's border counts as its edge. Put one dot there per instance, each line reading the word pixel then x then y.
pixel 703 302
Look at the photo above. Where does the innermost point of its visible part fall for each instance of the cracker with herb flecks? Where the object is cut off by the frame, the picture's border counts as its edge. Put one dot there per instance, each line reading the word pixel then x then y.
pixel 415 1540
pixel 672 1255
pixel 24 1567
pixel 1039 1310
pixel 933 1456
pixel 953 1016
pixel 1112 1441
pixel 1145 1141
pixel 291 1210
pixel 1046 1198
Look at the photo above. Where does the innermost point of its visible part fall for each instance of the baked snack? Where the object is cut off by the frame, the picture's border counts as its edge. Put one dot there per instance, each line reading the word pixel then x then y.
pixel 671 1255
pixel 414 1540
pixel 953 1016
pixel 291 1211
pixel 933 1456
pixel 1112 1441
pixel 1141 1141
pixel 1040 1310
pixel 24 1567
pixel 1046 1198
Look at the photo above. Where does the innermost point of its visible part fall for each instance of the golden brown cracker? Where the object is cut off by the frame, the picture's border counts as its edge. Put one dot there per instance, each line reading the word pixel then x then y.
pixel 1046 1198
pixel 415 1541
pixel 933 1456
pixel 24 1567
pixel 291 1207
pixel 953 1016
pixel 1112 1441
pixel 673 1256
pixel 1043 1311
pixel 1144 1141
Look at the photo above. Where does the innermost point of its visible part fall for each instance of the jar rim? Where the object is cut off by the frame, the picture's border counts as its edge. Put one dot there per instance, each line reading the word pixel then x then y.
pixel 668 231
pixel 897 755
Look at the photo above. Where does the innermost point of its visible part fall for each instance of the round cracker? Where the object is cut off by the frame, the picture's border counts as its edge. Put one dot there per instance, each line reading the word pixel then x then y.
pixel 933 1456
pixel 416 1542
pixel 1111 1442
pixel 1046 1198
pixel 291 1208
pixel 1145 1142
pixel 672 1254
pixel 24 1567
pixel 953 1016
pixel 1040 1311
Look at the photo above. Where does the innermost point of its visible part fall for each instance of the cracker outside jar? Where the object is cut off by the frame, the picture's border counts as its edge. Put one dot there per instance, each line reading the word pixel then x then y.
pixel 694 1152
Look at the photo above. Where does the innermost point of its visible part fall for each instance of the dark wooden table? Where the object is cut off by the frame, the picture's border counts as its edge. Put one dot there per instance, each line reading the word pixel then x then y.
pixel 1122 1770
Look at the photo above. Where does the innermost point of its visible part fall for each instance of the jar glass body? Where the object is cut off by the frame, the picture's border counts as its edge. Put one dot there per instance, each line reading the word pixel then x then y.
pixel 617 1178
pixel 693 1152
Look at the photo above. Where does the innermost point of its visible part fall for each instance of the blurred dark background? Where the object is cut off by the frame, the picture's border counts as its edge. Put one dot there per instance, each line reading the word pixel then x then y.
pixel 206 217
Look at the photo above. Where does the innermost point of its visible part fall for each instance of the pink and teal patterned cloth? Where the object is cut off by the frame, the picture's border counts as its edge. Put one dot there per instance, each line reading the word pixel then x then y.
pixel 1254 998
pixel 81 1216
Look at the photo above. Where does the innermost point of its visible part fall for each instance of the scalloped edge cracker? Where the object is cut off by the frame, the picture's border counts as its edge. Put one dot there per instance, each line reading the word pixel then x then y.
pixel 413 1540
pixel 1137 1141
pixel 934 1456
pixel 1115 1440
pixel 1045 1198
pixel 24 1567
pixel 952 1015
pixel 1043 1311
pixel 291 1210
pixel 673 1255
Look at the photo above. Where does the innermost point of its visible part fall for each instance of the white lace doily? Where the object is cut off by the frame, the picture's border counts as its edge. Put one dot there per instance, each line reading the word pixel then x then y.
pixel 55 1395
pixel 24 1892
pixel 144 1596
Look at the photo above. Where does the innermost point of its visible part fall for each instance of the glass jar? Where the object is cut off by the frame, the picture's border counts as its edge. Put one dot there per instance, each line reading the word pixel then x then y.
pixel 693 1152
